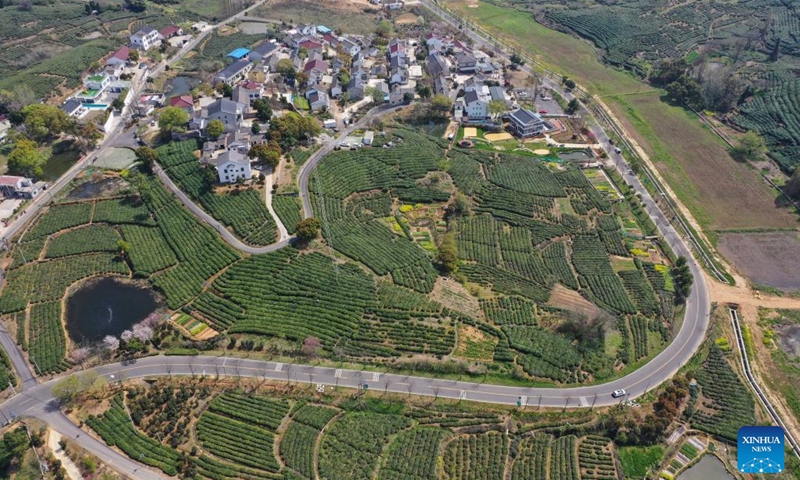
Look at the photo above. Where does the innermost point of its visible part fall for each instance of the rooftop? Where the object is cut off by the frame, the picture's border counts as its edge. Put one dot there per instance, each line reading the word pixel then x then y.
pixel 239 53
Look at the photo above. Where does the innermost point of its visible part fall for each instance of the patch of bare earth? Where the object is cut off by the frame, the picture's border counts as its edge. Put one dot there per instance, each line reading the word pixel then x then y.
pixel 570 300
pixel 771 258
pixel 455 296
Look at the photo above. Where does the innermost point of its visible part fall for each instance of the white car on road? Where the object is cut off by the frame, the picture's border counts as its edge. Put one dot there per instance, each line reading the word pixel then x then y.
pixel 619 393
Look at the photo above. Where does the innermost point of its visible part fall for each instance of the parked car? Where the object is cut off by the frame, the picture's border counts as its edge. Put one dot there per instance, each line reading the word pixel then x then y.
pixel 619 393
pixel 617 151
pixel 542 111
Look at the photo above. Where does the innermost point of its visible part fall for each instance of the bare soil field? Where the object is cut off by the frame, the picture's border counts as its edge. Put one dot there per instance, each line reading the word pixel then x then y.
pixel 562 297
pixel 347 15
pixel 771 259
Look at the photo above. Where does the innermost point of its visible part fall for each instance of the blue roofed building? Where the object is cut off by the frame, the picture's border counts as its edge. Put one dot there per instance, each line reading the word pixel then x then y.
pixel 239 53
pixel 322 29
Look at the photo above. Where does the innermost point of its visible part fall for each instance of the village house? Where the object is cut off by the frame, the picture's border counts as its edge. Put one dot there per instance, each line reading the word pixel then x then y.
pixel 119 58
pixel 263 52
pixel 523 123
pixel 247 93
pixel 349 46
pixel 171 31
pixel 315 69
pixel 184 102
pixel 145 38
pixel 234 72
pixel 466 63
pixel 19 187
pixel 231 166
pixel 476 106
pixel 230 113
pixel 74 108
pixel 317 99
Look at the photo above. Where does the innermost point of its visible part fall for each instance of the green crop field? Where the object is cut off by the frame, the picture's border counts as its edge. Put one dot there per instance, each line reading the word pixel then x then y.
pixel 345 438
pixel 383 210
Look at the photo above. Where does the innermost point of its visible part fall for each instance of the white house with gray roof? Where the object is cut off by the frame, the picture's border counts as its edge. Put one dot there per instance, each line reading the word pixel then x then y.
pixel 146 38
pixel 231 166
pixel 234 72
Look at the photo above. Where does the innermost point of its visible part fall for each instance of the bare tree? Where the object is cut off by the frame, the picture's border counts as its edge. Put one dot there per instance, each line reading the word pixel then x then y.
pixel 111 343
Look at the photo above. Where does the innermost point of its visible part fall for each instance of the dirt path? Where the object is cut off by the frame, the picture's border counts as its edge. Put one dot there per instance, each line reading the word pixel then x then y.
pixel 72 470
pixel 284 234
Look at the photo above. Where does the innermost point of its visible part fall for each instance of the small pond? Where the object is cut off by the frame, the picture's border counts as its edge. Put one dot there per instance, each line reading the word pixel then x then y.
pixel 576 156
pixel 179 86
pixel 107 306
pixel 106 186
pixel 708 468
pixel 58 164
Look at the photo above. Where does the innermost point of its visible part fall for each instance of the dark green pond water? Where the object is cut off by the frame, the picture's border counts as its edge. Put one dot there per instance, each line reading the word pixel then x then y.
pixel 107 306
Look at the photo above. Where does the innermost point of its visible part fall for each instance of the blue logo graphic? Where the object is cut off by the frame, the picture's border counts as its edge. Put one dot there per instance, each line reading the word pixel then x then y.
pixel 761 449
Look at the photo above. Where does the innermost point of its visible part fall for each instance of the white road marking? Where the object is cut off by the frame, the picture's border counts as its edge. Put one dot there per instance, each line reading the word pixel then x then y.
pixel 376 376
pixel 583 401
pixel 523 401
pixel 278 367
pixel 462 395
pixel 338 373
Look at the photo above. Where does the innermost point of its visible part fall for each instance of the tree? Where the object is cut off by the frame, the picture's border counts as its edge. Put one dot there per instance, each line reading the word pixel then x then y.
pixel 119 103
pixel 148 156
pixel 293 128
pixel 66 388
pixel 573 106
pixel 111 343
pixel 265 154
pixel 263 109
pixel 423 90
pixel 441 103
pixel 792 188
pixel 408 97
pixel 89 134
pixel 301 79
pixel 285 67
pixel 255 128
pixel 310 346
pixel 460 205
pixel 496 107
pixel 376 93
pixel 751 146
pixel 123 248
pixel 685 90
pixel 447 256
pixel 173 119
pixel 43 122
pixel 133 56
pixel 215 128
pixel 308 229
pixel 136 5
pixel 25 159
pixel 682 276
pixel 516 60
pixel 384 29
pixel 570 83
